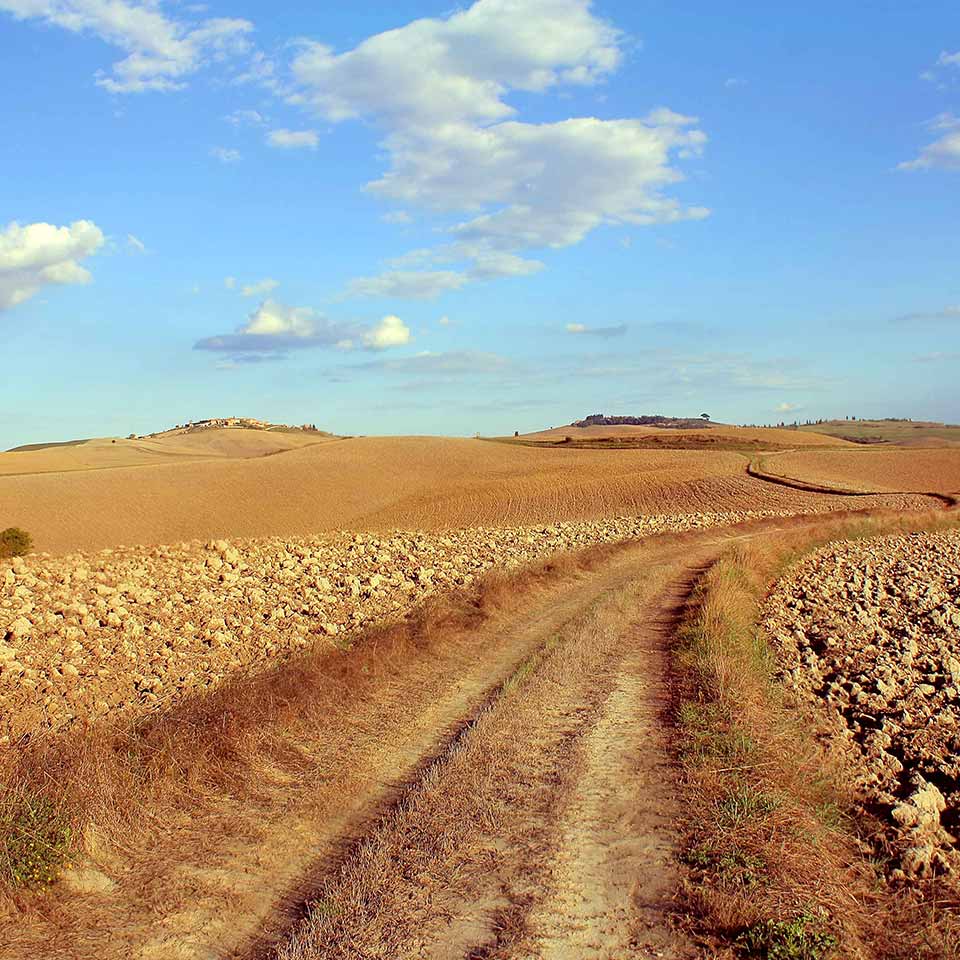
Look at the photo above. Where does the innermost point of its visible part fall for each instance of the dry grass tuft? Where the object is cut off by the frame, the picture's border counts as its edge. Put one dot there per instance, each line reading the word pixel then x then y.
pixel 777 866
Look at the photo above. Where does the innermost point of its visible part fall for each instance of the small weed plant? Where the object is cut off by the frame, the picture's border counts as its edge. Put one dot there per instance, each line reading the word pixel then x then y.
pixel 35 840
pixel 14 542
pixel 802 938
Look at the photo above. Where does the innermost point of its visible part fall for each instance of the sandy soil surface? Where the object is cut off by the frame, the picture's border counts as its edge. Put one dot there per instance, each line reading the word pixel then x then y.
pixel 871 468
pixel 86 636
pixel 871 629
pixel 771 435
pixel 377 483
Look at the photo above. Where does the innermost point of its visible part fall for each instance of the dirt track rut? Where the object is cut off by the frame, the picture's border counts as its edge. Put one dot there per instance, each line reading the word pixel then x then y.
pixel 546 830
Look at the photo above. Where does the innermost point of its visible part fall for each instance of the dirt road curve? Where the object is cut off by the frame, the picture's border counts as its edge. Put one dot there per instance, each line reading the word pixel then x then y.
pixel 508 793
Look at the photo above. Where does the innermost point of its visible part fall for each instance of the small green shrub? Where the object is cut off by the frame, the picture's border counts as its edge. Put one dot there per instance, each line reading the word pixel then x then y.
pixel 731 868
pixel 802 938
pixel 34 840
pixel 14 542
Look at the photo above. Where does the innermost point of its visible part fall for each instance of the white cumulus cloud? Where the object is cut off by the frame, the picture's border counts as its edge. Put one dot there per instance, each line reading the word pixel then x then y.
pixel 293 139
pixel 435 71
pixel 161 50
pixel 391 331
pixel 39 254
pixel 275 329
pixel 439 88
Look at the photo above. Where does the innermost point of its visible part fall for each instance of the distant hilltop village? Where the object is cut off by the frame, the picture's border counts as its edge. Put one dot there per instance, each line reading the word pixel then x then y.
pixel 654 420
pixel 243 423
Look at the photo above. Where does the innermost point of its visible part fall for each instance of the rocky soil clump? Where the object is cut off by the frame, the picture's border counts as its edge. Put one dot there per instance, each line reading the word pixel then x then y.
pixel 87 635
pixel 872 629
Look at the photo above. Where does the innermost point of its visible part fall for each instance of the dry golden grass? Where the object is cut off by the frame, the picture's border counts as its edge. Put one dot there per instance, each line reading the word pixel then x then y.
pixel 772 829
pixel 872 469
pixel 372 483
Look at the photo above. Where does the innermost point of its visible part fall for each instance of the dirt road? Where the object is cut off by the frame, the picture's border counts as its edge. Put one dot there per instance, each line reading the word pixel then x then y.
pixel 507 792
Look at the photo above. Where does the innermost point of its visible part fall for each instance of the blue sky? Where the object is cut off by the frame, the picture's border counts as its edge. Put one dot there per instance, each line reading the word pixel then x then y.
pixel 412 218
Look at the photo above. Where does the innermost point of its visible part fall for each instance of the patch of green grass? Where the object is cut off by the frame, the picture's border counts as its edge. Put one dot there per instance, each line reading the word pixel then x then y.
pixel 802 938
pixel 743 805
pixel 710 736
pixel 35 840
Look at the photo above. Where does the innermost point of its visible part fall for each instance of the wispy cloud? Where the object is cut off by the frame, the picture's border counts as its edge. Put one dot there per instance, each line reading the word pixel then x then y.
pixel 452 363
pixel 246 118
pixel 939 356
pixel 950 314
pixel 260 288
pixel 225 154
pixel 293 139
pixel 582 329
pixel 944 152
pixel 162 51
pixel 407 284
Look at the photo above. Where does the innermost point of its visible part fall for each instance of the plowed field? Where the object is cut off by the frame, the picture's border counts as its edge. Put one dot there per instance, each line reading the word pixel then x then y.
pixel 367 482
pixel 378 483
pixel 934 471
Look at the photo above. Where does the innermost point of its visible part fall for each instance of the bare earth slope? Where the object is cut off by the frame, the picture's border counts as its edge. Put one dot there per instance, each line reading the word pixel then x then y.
pixel 108 452
pixel 377 483
pixel 361 483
